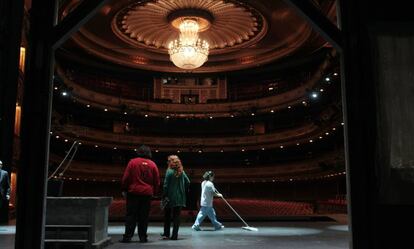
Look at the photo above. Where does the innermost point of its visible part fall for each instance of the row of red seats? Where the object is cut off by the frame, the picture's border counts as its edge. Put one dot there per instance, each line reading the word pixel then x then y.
pixel 246 208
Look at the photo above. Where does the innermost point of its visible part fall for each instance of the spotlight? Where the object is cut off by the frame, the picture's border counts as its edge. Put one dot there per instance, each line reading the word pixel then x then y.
pixel 281 146
pixel 146 115
pixel 105 110
pixel 96 146
pixel 66 140
pixel 289 107
pixel 64 93
pixel 272 111
pixel 314 95
pixel 57 137
pixel 311 141
pixel 125 113
pixel 321 90
pixel 55 88
pixel 263 148
pixel 253 114
pixel 88 105
pixel 327 79
pixel 156 151
pixel 298 144
pixel 335 74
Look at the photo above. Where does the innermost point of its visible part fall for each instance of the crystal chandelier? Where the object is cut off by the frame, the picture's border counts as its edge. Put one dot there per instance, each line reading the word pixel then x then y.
pixel 188 52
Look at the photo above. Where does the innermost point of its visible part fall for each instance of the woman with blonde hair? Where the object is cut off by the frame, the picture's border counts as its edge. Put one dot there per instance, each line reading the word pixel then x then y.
pixel 176 184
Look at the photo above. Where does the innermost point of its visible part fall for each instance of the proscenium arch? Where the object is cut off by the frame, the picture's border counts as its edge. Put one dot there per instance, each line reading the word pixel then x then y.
pixel 45 35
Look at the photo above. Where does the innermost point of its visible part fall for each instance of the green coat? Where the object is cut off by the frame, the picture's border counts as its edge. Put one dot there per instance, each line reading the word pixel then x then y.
pixel 175 188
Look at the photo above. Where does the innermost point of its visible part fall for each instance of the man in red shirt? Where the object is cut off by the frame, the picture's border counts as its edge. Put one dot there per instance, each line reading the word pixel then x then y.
pixel 141 180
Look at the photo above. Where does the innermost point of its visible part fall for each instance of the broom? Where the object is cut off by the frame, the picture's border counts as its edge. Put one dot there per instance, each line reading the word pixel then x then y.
pixel 246 227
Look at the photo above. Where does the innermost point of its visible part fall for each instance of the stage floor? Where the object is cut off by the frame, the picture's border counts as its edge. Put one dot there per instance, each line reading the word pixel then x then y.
pixel 283 234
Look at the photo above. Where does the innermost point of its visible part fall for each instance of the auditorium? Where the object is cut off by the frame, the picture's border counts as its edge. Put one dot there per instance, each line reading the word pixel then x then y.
pixel 287 123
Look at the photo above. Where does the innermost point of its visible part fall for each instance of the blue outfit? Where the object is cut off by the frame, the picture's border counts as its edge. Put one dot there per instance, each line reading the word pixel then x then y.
pixel 208 191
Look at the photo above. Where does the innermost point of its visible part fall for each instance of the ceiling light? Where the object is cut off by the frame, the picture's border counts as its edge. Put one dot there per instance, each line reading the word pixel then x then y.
pixel 88 105
pixel 188 52
pixel 64 93
pixel 314 95
pixel 335 74
pixel 327 79
pixel 105 109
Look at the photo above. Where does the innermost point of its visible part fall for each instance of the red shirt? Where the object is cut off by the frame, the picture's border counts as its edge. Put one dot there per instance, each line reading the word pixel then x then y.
pixel 141 177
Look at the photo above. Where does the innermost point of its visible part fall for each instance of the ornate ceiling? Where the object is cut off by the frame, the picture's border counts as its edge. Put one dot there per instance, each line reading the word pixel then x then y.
pixel 149 24
pixel 242 33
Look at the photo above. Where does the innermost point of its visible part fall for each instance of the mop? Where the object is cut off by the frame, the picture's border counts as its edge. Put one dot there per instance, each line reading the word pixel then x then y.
pixel 246 227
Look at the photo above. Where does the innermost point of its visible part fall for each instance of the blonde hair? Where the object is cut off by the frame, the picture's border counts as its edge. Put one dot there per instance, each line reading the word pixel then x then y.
pixel 174 163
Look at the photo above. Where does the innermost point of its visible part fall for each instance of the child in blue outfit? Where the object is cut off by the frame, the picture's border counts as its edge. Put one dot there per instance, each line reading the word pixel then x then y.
pixel 208 191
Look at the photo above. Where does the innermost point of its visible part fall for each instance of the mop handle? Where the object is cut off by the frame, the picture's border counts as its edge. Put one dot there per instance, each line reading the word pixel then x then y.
pixel 228 204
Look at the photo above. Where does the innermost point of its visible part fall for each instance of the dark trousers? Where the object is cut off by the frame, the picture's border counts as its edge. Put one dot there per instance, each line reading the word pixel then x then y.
pixel 175 211
pixel 4 209
pixel 137 212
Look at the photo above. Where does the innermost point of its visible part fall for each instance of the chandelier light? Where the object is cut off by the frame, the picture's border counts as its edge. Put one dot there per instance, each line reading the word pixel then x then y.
pixel 188 52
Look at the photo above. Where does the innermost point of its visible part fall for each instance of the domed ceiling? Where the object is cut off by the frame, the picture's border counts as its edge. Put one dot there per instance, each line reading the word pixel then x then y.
pixel 241 34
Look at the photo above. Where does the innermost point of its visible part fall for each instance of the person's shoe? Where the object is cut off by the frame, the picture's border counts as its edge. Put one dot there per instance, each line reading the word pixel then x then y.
pixel 143 240
pixel 164 237
pixel 123 240
pixel 173 238
pixel 219 228
pixel 196 228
